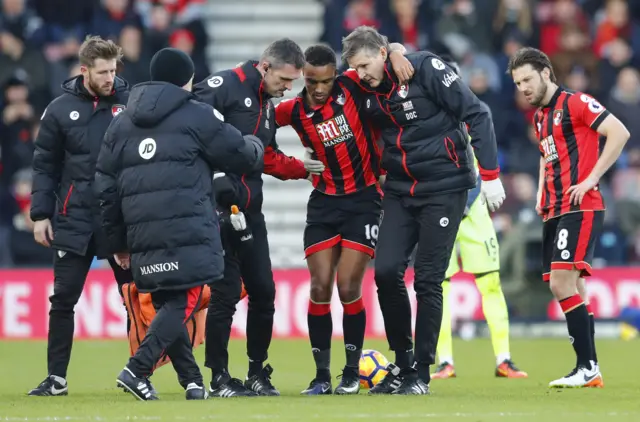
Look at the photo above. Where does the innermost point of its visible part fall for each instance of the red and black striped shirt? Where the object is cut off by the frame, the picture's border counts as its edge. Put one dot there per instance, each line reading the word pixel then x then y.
pixel 569 144
pixel 340 136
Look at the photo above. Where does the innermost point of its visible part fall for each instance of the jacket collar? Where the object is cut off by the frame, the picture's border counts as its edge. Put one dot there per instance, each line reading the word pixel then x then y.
pixel 552 102
pixel 249 74
pixel 75 86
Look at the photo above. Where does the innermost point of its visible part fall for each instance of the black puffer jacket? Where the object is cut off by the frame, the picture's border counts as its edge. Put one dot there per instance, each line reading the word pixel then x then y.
pixel 154 183
pixel 64 161
pixel 424 133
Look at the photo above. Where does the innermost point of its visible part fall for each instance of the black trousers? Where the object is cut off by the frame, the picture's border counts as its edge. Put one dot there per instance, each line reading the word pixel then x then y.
pixel 69 275
pixel 251 265
pixel 168 335
pixel 431 223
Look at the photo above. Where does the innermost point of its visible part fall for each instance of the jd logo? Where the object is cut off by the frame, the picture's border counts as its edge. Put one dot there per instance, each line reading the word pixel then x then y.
pixel 147 148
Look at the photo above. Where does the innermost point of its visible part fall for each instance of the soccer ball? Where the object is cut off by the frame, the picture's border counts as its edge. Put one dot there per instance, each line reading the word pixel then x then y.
pixel 373 367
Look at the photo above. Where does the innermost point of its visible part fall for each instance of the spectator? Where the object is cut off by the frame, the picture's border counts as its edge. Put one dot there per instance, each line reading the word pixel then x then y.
pixel 16 123
pixel 624 103
pixel 22 23
pixel 111 17
pixel 514 17
pixel 616 24
pixel 554 15
pixel 464 17
pixel 134 62
pixel 574 50
pixel 619 55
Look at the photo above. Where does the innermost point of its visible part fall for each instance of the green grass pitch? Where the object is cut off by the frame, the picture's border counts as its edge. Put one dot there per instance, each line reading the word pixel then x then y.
pixel 474 396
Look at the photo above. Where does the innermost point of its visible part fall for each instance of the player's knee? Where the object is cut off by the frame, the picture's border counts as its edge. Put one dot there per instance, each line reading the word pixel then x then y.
pixel 349 291
pixel 563 283
pixel 488 283
pixel 321 289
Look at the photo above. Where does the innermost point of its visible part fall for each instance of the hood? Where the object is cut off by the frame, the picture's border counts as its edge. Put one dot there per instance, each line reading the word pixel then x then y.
pixel 150 102
pixel 75 86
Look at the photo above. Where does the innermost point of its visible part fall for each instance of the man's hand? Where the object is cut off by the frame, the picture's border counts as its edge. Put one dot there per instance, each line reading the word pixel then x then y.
pixel 311 165
pixel 382 179
pixel 123 259
pixel 492 194
pixel 43 232
pixel 401 66
pixel 577 192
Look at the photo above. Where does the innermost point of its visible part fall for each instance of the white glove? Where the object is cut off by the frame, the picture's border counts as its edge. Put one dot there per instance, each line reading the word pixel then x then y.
pixel 492 194
pixel 311 165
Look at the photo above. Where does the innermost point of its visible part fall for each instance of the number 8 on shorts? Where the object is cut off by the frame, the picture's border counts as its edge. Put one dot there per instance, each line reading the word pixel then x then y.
pixel 569 241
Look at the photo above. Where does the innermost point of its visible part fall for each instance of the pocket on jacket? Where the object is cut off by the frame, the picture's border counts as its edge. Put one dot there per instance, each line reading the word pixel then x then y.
pixel 66 199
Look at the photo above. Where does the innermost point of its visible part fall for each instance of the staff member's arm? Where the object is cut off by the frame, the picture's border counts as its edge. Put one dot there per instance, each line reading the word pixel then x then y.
pixel 106 191
pixel 224 147
pixel 47 170
pixel 457 99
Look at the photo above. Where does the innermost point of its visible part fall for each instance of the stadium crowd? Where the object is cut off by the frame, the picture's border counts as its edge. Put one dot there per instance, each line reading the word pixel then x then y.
pixel 594 46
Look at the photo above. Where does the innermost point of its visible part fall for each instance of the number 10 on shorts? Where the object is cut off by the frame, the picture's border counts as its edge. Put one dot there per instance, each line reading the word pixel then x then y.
pixel 371 232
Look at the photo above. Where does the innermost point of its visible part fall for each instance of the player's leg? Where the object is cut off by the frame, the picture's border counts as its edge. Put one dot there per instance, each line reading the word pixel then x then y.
pixel 440 217
pixel 69 275
pixel 584 294
pixel 397 238
pixel 122 277
pixel 573 244
pixel 225 294
pixel 445 368
pixel 174 308
pixel 359 237
pixel 480 255
pixel 260 286
pixel 322 250
pixel 189 376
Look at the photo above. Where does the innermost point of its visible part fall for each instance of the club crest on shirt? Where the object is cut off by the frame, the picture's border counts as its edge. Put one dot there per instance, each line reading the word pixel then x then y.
pixel 117 109
pixel 403 91
pixel 557 117
pixel 340 99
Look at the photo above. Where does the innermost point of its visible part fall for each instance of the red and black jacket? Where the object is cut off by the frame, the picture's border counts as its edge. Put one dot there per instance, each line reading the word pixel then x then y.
pixel 239 95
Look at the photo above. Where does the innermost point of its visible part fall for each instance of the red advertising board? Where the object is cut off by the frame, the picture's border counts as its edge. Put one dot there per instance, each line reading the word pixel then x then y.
pixel 24 303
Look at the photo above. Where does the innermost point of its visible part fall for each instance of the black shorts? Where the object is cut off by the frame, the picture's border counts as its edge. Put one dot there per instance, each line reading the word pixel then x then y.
pixel 568 242
pixel 351 221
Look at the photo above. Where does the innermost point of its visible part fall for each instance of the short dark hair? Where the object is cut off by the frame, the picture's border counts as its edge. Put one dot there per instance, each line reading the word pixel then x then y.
pixel 320 55
pixel 94 47
pixel 283 52
pixel 363 38
pixel 531 56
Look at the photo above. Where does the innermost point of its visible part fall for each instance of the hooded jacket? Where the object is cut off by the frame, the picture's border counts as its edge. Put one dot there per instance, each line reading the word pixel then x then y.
pixel 154 182
pixel 71 131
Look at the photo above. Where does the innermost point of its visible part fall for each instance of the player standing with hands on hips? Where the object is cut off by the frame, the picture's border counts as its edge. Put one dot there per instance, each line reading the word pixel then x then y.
pixel 63 207
pixel 568 125
pixel 154 182
pixel 428 176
